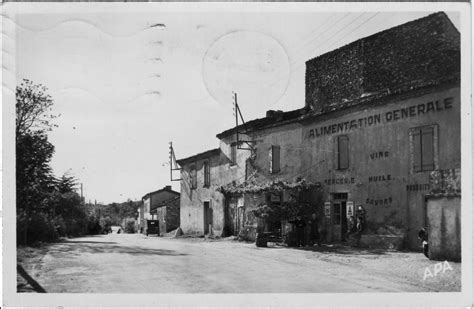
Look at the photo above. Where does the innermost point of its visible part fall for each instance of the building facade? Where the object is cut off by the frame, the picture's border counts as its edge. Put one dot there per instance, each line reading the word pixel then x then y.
pixel 202 206
pixel 151 201
pixel 381 115
pixel 168 215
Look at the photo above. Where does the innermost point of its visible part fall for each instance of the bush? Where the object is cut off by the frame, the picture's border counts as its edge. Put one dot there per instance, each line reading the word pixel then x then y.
pixel 60 226
pixel 41 228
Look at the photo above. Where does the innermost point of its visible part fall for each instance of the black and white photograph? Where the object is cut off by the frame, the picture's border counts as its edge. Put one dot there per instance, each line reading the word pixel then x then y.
pixel 187 152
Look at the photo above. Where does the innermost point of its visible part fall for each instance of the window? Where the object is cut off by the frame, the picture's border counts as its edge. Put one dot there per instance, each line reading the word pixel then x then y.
pixel 193 175
pixel 342 152
pixel 207 174
pixel 423 148
pixel 233 154
pixel 274 159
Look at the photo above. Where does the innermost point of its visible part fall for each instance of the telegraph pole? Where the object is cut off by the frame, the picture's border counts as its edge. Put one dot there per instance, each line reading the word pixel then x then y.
pixel 236 120
pixel 82 196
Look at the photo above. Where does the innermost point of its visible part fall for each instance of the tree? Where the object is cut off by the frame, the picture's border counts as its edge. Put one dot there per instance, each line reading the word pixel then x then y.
pixel 66 183
pixel 33 108
pixel 34 178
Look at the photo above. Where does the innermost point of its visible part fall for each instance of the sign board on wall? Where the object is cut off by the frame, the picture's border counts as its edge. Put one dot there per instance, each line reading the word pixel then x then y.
pixel 275 198
pixel 240 202
pixel 350 208
pixel 327 209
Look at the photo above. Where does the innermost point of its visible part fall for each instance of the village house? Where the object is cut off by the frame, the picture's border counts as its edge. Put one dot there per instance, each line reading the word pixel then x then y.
pixel 202 206
pixel 382 114
pixel 169 216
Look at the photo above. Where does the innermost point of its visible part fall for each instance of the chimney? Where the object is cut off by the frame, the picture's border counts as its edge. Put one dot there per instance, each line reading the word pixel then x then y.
pixel 273 114
pixel 167 188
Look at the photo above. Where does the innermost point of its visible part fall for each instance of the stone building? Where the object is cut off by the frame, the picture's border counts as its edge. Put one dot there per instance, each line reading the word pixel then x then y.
pixel 151 201
pixel 202 206
pixel 381 114
pixel 168 215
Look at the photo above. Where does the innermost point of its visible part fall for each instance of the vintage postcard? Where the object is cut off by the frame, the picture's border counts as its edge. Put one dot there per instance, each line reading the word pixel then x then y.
pixel 237 154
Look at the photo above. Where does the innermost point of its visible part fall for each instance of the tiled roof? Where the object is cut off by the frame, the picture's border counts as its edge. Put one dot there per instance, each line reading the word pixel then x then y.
pixel 202 155
pixel 275 118
pixel 167 188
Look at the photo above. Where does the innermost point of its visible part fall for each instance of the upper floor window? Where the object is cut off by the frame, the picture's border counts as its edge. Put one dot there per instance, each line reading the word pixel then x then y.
pixel 207 174
pixel 342 152
pixel 423 148
pixel 274 159
pixel 233 154
pixel 193 175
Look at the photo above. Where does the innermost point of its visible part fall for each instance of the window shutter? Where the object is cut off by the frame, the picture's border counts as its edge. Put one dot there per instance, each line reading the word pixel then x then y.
pixel 417 165
pixel 427 149
pixel 275 159
pixel 233 154
pixel 194 178
pixel 343 151
pixel 207 174
pixel 270 158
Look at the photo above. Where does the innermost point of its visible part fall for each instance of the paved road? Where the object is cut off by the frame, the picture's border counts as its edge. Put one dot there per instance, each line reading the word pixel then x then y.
pixel 132 263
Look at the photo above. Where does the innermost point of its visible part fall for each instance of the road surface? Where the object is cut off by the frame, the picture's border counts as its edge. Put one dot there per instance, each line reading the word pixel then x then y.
pixel 133 263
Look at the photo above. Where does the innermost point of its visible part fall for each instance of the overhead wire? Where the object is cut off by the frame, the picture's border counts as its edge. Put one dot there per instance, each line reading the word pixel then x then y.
pixel 301 65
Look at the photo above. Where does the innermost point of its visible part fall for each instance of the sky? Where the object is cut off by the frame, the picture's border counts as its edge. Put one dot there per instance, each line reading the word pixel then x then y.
pixel 126 84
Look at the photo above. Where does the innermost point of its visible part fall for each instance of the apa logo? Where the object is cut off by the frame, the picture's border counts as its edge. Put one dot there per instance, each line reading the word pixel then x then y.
pixel 438 267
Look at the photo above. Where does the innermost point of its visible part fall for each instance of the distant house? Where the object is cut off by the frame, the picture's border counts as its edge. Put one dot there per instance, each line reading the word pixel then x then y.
pixel 152 201
pixel 167 213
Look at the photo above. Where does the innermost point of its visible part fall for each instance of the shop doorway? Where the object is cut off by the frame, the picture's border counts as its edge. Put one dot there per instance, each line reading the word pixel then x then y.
pixel 339 218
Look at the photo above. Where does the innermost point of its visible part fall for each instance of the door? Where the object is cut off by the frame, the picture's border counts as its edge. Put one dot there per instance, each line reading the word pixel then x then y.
pixel 343 220
pixel 239 220
pixel 336 220
pixel 416 218
pixel 206 217
pixel 339 217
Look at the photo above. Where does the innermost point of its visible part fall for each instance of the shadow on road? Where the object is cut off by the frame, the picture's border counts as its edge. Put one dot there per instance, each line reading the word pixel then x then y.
pixel 96 247
pixel 90 242
pixel 344 249
pixel 335 249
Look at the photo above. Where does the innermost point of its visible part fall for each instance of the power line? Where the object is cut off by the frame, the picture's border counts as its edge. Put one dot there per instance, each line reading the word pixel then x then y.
pixel 353 30
pixel 301 65
pixel 301 51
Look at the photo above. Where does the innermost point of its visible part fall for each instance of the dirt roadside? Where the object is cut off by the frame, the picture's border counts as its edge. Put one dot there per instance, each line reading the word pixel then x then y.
pixel 138 264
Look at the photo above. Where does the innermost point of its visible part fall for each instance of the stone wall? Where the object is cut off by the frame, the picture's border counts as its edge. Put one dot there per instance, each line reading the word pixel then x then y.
pixel 415 54
pixel 444 227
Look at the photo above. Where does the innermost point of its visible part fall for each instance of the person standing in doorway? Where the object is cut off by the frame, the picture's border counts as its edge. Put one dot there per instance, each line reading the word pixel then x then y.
pixel 314 230
pixel 300 225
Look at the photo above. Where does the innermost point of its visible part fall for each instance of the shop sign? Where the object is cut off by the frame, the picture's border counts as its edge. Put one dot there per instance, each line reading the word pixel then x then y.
pixel 350 208
pixel 375 119
pixel 327 209
pixel 275 198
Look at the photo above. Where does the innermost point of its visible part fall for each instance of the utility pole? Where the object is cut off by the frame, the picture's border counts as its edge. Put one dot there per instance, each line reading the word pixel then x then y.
pixel 236 120
pixel 173 163
pixel 237 114
pixel 82 196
